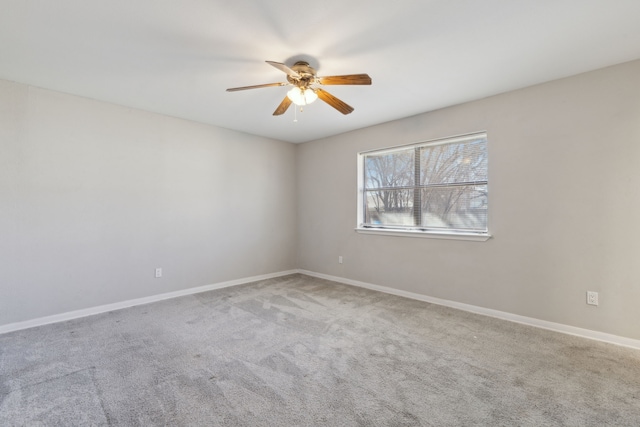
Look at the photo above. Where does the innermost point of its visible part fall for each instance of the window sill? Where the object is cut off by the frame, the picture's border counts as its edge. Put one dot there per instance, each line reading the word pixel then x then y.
pixel 477 237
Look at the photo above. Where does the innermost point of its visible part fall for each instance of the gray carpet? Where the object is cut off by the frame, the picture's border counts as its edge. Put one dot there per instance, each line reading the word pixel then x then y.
pixel 300 351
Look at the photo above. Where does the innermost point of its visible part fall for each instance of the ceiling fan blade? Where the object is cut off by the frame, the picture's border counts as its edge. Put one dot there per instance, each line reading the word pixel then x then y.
pixel 234 89
pixel 282 107
pixel 333 101
pixel 350 79
pixel 283 68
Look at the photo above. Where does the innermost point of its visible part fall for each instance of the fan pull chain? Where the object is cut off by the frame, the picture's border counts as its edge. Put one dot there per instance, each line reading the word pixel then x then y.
pixel 295 113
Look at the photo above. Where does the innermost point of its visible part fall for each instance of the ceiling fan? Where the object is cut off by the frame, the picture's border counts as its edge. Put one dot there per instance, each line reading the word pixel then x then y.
pixel 305 81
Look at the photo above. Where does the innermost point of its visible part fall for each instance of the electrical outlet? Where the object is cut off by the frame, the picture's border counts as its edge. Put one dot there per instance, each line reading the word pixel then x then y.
pixel 158 272
pixel 340 259
pixel 592 298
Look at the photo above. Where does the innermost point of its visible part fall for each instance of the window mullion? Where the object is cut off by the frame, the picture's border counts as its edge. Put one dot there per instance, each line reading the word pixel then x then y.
pixel 417 192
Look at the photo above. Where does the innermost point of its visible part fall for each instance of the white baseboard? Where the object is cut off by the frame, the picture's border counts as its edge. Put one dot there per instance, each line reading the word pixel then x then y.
pixel 556 327
pixel 130 303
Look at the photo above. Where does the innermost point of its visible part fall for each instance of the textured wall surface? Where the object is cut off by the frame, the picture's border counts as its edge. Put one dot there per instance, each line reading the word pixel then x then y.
pixel 94 197
pixel 563 205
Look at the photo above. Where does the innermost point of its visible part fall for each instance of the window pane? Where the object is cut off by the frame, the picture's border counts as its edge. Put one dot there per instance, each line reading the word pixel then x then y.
pixel 457 162
pixel 389 207
pixel 461 207
pixel 445 179
pixel 389 170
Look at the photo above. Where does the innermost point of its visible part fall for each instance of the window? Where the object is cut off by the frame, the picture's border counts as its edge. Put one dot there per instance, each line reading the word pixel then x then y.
pixel 436 187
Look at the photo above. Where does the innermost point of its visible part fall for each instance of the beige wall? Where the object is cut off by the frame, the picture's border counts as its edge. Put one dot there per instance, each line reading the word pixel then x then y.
pixel 564 200
pixel 94 197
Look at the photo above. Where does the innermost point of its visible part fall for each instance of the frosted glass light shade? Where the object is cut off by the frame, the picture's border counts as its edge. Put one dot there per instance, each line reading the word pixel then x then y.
pixel 301 96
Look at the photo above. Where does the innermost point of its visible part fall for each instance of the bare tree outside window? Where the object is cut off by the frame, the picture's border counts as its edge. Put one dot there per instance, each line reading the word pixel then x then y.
pixel 391 177
pixel 440 185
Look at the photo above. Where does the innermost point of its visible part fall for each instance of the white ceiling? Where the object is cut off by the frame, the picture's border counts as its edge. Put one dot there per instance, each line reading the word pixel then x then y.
pixel 177 57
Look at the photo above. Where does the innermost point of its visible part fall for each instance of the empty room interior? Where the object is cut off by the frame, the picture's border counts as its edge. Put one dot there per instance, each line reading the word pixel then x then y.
pixel 329 214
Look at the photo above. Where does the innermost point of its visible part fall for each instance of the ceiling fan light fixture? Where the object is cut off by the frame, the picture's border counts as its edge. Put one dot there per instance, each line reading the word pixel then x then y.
pixel 302 77
pixel 301 96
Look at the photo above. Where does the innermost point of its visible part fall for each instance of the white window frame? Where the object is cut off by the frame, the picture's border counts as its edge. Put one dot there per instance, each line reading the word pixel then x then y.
pixel 422 232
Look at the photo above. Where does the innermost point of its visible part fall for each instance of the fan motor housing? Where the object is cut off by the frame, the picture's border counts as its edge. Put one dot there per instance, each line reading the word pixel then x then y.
pixel 306 72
